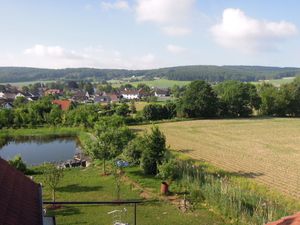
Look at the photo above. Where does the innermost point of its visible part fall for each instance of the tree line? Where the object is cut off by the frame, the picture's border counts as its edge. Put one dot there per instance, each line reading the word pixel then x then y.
pixel 230 99
pixel 187 73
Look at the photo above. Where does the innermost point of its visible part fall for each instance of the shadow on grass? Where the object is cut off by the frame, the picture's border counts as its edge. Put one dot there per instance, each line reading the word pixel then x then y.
pixel 246 174
pixel 140 174
pixel 64 211
pixel 186 151
pixel 78 188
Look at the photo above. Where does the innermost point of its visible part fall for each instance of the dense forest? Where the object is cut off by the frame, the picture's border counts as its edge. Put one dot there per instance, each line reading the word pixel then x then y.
pixel 188 73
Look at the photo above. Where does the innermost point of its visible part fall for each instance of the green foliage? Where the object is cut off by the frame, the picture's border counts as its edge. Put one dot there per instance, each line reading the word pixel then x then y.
pixel 18 163
pixel 159 112
pixel 20 101
pixel 154 151
pixel 112 137
pixel 236 200
pixel 237 99
pixel 208 73
pixel 133 151
pixel 132 107
pixel 168 170
pixel 269 99
pixel 198 100
pixel 123 110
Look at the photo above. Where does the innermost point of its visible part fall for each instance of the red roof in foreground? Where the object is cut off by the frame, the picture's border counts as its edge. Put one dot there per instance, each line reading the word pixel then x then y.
pixel 20 202
pixel 289 220
pixel 64 104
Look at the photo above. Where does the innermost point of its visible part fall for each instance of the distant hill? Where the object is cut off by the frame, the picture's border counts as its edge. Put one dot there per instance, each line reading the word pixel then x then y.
pixel 183 73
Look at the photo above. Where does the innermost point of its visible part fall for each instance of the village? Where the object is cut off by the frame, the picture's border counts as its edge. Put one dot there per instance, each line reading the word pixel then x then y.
pixel 65 97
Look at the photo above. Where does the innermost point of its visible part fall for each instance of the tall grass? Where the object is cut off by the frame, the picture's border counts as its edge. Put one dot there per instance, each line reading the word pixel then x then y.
pixel 239 203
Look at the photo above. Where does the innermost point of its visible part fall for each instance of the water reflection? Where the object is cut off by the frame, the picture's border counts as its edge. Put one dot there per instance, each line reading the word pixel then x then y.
pixel 36 150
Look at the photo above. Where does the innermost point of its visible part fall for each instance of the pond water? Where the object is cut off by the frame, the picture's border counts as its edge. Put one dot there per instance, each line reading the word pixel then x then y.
pixel 35 151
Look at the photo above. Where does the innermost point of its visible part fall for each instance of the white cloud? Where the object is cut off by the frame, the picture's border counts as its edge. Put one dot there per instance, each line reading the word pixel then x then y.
pixel 52 51
pixel 120 4
pixel 171 16
pixel 175 49
pixel 43 56
pixel 176 30
pixel 238 31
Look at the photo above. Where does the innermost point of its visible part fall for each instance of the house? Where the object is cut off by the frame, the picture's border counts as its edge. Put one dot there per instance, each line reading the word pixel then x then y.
pixel 6 105
pixel 20 198
pixel 81 97
pixel 53 92
pixel 131 94
pixel 161 92
pixel 113 98
pixel 10 96
pixel 289 220
pixel 64 104
pixel 101 99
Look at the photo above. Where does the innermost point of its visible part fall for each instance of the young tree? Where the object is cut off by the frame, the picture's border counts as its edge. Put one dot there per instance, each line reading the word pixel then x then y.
pixel 132 107
pixel 52 176
pixel 154 151
pixel 112 137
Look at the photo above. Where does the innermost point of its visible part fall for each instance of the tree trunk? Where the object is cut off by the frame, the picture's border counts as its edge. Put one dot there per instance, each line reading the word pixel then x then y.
pixel 104 169
pixel 53 195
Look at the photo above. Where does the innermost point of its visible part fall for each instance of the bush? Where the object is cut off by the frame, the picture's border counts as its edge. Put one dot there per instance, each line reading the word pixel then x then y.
pixel 18 163
pixel 168 171
pixel 133 150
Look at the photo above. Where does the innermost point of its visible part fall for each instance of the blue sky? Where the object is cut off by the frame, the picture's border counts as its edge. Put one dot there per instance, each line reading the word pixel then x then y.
pixel 140 34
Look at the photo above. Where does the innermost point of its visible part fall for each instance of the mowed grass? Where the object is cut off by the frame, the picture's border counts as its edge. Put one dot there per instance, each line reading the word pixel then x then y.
pixel 26 83
pixel 277 82
pixel 160 83
pixel 264 149
pixel 88 185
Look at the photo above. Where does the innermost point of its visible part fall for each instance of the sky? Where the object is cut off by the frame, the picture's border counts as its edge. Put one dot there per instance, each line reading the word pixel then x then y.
pixel 146 34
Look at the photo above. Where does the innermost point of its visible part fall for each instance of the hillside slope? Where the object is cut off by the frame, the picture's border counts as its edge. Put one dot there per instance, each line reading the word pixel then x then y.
pixel 184 73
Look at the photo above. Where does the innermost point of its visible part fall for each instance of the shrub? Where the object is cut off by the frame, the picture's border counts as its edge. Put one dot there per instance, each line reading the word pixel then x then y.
pixel 168 171
pixel 18 163
pixel 133 150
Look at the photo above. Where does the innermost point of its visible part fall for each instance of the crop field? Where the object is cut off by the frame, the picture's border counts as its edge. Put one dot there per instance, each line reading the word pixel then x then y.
pixel 267 150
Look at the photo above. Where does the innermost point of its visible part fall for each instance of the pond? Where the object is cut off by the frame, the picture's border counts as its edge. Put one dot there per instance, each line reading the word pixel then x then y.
pixel 37 150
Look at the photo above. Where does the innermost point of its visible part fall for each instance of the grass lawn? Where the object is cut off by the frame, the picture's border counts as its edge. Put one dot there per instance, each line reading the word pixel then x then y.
pixel 140 105
pixel 264 149
pixel 277 82
pixel 26 83
pixel 160 83
pixel 88 185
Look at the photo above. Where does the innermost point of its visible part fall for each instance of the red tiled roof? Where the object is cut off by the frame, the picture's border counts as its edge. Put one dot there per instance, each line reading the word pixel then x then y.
pixel 289 220
pixel 64 104
pixel 20 202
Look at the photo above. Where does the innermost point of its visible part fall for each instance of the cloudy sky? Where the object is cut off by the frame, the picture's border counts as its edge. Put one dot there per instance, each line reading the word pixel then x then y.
pixel 139 34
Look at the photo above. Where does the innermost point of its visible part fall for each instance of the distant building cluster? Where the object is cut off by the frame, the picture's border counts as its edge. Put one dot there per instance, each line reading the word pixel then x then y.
pixel 9 93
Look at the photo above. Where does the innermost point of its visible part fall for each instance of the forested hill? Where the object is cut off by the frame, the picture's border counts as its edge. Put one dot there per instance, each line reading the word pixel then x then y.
pixel 188 73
